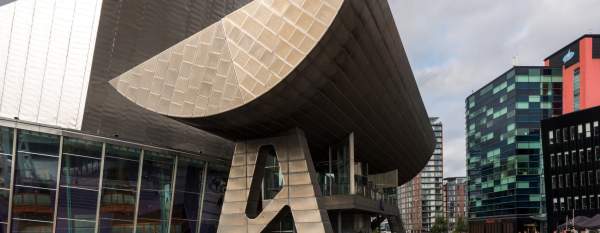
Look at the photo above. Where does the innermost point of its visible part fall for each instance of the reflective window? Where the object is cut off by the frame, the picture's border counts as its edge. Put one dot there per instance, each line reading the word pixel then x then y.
pixel 216 181
pixel 273 178
pixel 155 193
pixel 6 159
pixel 4 198
pixel 72 226
pixel 25 226
pixel 78 193
pixel 188 193
pixel 6 144
pixel 36 169
pixel 33 203
pixel 119 187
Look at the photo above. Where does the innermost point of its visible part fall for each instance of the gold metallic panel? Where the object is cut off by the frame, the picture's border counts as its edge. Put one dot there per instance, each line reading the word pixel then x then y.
pixel 231 62
pixel 299 191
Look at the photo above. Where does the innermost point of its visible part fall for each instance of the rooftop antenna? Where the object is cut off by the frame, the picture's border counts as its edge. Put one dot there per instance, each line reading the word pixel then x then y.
pixel 515 60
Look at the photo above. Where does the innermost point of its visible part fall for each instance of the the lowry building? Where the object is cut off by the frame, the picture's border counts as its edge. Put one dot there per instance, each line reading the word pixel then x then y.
pixel 228 116
pixel 504 158
pixel 420 199
pixel 571 142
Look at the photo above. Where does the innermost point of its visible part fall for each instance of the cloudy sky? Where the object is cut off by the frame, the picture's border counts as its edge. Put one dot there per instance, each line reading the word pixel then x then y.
pixel 457 46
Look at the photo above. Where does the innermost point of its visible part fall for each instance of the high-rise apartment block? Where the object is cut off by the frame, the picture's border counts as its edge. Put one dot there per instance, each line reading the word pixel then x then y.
pixel 455 200
pixel 420 199
pixel 504 163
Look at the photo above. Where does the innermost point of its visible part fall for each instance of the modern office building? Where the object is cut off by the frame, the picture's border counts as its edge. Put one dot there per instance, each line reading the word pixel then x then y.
pixel 455 200
pixel 228 116
pixel 504 164
pixel 580 63
pixel 571 145
pixel 420 199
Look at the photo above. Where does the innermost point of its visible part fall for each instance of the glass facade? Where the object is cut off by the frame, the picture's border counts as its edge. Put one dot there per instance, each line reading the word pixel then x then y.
pixel 54 183
pixel 504 164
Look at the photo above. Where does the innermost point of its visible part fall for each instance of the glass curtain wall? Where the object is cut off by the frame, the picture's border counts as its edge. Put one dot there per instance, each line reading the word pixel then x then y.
pixel 6 159
pixel 34 190
pixel 79 182
pixel 67 184
pixel 156 193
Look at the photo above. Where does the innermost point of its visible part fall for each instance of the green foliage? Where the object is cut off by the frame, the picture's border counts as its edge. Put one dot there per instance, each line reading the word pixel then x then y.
pixel 461 226
pixel 440 225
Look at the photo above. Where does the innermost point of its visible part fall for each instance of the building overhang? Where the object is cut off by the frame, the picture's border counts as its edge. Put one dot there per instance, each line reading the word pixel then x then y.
pixel 329 67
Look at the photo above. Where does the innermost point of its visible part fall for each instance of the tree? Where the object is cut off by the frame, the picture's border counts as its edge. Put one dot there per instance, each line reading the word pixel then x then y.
pixel 440 225
pixel 461 226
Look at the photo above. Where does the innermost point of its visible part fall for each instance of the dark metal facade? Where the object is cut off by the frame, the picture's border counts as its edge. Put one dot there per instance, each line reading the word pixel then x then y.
pixel 571 145
pixel 357 79
pixel 129 33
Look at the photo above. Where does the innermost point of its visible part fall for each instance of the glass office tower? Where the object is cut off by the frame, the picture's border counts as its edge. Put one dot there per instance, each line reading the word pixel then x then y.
pixel 504 164
pixel 53 180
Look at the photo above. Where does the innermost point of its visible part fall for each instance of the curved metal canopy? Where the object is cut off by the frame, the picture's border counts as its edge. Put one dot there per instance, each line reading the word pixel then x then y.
pixel 329 67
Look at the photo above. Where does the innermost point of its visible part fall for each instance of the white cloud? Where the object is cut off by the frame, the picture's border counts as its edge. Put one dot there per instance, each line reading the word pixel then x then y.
pixel 456 47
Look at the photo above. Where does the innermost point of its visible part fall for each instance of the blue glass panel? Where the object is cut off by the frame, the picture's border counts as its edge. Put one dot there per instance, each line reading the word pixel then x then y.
pixel 24 226
pixel 6 140
pixel 80 172
pixel 35 204
pixel 117 204
pixel 3 228
pixel 36 170
pixel 157 172
pixel 37 142
pixel 82 147
pixel 73 226
pixel 155 204
pixel 189 175
pixel 186 206
pixel 4 198
pixel 123 152
pixel 151 226
pixel 77 204
pixel 5 170
pixel 120 173
pixel 181 226
pixel 115 226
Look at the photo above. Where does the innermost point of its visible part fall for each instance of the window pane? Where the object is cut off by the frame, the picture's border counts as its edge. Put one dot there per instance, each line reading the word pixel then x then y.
pixel 155 204
pixel 189 175
pixel 115 226
pixel 36 170
pixel 122 152
pixel 157 172
pixel 77 204
pixel 35 204
pixel 80 172
pixel 120 173
pixel 6 140
pixel 38 142
pixel 156 190
pixel 3 228
pixel 151 226
pixel 186 206
pixel 5 169
pixel 117 204
pixel 4 197
pixel 180 226
pixel 216 181
pixel 82 147
pixel 72 226
pixel 23 226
